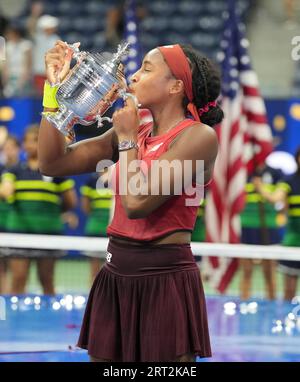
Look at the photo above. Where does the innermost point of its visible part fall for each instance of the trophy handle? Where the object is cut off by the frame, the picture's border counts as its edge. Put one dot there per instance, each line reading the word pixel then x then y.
pixel 101 119
pixel 97 119
pixel 124 95
pixel 78 55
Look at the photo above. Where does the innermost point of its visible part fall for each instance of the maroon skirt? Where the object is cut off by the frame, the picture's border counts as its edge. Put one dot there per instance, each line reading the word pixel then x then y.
pixel 146 304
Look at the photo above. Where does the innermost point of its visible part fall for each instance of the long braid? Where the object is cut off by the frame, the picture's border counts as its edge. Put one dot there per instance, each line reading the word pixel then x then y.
pixel 206 85
pixel 202 69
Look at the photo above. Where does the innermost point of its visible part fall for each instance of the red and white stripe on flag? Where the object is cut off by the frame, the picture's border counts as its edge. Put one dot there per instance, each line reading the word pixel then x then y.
pixel 245 139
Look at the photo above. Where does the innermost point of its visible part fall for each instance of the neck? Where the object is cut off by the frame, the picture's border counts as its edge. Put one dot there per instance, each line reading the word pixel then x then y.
pixel 164 119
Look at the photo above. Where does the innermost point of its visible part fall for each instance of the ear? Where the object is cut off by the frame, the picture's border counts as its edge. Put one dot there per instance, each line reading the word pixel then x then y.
pixel 177 87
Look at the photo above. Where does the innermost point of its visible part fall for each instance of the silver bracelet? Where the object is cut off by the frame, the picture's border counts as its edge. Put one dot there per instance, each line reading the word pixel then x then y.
pixel 127 145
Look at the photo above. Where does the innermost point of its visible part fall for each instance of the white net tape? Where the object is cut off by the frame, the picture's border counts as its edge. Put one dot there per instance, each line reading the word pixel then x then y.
pixel 99 245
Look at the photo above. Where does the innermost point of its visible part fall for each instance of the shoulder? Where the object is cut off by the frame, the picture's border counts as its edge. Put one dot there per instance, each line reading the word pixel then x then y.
pixel 200 131
pixel 206 132
pixel 200 138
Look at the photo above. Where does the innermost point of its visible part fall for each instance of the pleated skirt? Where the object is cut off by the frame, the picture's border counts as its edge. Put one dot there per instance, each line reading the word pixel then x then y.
pixel 147 304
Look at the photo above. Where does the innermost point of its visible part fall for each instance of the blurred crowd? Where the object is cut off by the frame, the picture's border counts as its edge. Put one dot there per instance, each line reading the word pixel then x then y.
pixel 34 29
pixel 23 70
pixel 36 204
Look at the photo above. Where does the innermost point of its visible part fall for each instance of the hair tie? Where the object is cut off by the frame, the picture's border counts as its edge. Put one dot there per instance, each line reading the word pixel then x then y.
pixel 206 107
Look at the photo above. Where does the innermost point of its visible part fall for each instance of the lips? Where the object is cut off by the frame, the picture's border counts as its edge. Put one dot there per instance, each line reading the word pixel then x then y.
pixel 130 90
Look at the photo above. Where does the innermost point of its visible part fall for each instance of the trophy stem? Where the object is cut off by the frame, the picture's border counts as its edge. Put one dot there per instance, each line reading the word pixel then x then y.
pixel 63 120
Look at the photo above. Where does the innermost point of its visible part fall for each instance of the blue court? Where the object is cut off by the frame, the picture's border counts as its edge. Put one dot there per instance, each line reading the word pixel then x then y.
pixel 43 329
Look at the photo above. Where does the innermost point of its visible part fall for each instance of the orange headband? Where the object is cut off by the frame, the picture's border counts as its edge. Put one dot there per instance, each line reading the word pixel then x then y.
pixel 179 66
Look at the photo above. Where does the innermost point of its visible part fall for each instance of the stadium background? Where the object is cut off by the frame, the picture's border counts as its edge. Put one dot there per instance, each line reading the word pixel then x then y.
pixel 162 22
pixel 46 328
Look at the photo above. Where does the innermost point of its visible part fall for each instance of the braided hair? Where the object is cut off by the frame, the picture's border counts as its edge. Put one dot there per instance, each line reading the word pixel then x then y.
pixel 206 85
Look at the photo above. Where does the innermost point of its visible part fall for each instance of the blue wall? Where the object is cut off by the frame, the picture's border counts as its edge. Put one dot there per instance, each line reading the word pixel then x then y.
pixel 289 136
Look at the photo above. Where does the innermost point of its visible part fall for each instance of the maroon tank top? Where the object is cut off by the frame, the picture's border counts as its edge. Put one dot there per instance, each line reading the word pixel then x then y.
pixel 174 215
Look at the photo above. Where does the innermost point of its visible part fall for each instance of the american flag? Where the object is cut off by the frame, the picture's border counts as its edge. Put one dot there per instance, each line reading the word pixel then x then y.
pixel 245 139
pixel 133 59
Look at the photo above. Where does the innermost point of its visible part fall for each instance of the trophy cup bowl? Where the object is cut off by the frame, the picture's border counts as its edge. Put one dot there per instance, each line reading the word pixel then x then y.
pixel 89 89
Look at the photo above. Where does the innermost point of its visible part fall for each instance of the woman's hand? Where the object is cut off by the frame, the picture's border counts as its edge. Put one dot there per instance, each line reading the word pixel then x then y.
pixel 57 61
pixel 126 121
pixel 71 219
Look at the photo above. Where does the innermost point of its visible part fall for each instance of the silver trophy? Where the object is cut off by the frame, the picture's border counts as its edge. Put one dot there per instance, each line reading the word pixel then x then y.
pixel 89 89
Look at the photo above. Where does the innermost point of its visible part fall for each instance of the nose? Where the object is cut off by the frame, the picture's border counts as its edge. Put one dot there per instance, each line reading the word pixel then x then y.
pixel 134 77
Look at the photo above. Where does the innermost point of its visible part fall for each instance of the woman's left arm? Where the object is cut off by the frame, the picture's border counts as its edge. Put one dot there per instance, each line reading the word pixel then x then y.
pixel 191 156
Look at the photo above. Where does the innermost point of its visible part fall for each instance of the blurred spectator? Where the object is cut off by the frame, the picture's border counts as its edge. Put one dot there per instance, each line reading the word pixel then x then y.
pixel 36 10
pixel 260 226
pixel 44 39
pixel 3 137
pixel 3 25
pixel 291 18
pixel 36 208
pixel 115 20
pixel 288 192
pixel 11 149
pixel 289 6
pixel 17 67
pixel 96 204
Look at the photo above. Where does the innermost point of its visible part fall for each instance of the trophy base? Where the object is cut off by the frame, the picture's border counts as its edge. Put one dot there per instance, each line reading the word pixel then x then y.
pixel 63 120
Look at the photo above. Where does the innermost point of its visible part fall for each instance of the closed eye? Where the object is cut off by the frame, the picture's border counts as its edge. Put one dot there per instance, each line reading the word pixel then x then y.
pixel 146 66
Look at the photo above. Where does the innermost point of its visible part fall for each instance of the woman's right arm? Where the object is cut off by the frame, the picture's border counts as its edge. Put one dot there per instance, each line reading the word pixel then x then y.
pixel 55 158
